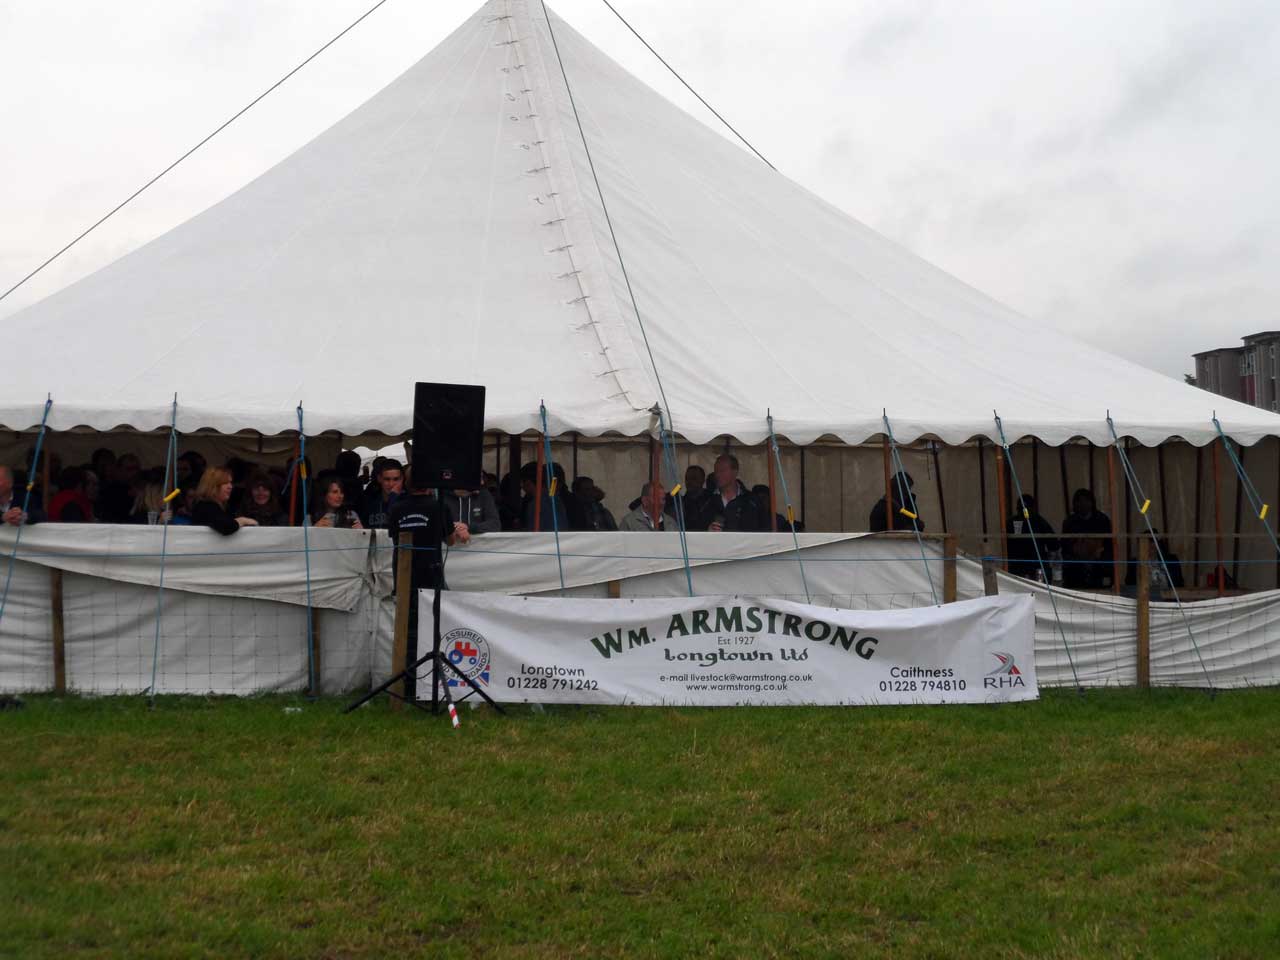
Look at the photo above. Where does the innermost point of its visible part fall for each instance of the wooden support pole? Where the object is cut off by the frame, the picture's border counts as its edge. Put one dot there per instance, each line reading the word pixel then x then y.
pixel 1001 499
pixel 950 547
pixel 1235 540
pixel 655 475
pixel 1113 502
pixel 990 585
pixel 1066 487
pixel 802 478
pixel 1195 542
pixel 773 487
pixel 1164 493
pixel 982 489
pixel 1128 510
pixel 59 636
pixel 293 485
pixel 1035 471
pixel 1144 612
pixel 1218 569
pixel 888 484
pixel 615 589
pixel 937 475
pixel 404 596
pixel 537 487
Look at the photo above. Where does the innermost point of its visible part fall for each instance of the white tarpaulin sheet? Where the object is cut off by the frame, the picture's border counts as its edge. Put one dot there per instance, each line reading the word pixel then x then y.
pixel 839 569
pixel 464 193
pixel 735 651
pixel 265 563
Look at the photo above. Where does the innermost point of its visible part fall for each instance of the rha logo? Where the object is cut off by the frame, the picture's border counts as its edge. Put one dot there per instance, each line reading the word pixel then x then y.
pixel 1004 676
pixel 469 652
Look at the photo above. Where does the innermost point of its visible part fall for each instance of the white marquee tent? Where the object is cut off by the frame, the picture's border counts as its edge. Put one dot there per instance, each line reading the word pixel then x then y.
pixel 455 228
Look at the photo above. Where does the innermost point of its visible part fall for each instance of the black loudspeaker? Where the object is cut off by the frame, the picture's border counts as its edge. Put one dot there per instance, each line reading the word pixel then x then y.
pixel 448 435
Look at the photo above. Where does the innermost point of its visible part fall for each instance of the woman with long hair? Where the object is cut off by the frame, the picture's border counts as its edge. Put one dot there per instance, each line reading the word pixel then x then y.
pixel 261 503
pixel 149 506
pixel 331 509
pixel 212 496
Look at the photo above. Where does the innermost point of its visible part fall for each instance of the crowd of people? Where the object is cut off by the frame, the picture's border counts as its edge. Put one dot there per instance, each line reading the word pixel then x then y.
pixel 1083 551
pixel 111 489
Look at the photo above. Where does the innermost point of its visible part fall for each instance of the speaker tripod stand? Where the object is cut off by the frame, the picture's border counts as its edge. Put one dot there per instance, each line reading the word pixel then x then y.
pixel 441 667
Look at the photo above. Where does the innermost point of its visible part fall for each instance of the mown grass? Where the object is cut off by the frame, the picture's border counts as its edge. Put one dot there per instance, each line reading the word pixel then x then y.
pixel 1119 824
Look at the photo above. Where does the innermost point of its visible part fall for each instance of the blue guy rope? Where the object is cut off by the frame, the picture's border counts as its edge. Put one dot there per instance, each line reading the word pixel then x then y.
pixel 1044 571
pixel 170 478
pixel 791 513
pixel 669 456
pixel 552 492
pixel 1143 503
pixel 306 552
pixel 905 495
pixel 26 504
pixel 1255 499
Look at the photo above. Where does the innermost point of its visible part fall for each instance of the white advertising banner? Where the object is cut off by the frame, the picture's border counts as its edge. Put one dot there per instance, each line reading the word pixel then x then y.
pixel 736 651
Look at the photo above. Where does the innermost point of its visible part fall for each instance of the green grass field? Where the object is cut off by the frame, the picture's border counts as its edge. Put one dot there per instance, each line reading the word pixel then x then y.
pixel 1118 824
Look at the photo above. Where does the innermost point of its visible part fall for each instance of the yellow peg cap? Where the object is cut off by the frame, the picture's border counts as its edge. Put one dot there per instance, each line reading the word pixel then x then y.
pixel 302 469
pixel 676 489
pixel 31 486
pixel 553 485
pixel 1146 505
pixel 1263 514
pixel 907 513
pixel 1026 514
pixel 791 515
pixel 176 491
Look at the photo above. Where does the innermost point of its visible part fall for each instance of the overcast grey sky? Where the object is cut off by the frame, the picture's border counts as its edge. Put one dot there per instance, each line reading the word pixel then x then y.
pixel 1107 168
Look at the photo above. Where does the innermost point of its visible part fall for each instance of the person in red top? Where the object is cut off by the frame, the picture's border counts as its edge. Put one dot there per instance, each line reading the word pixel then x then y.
pixel 77 489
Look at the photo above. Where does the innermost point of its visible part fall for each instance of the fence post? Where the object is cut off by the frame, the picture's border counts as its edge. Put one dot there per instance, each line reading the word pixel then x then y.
pixel 950 546
pixel 990 585
pixel 404 596
pixel 317 688
pixel 59 637
pixel 1144 613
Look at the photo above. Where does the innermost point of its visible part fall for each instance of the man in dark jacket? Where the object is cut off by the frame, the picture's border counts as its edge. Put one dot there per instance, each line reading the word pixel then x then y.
pixel 475 508
pixel 377 507
pixel 692 498
pixel 730 507
pixel 1086 561
pixel 900 488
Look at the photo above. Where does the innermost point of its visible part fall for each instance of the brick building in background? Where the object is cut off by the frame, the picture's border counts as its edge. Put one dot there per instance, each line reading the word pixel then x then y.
pixel 1250 374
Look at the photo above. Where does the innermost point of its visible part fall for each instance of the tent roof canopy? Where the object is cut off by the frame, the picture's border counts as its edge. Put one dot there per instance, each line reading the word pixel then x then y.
pixel 461 226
